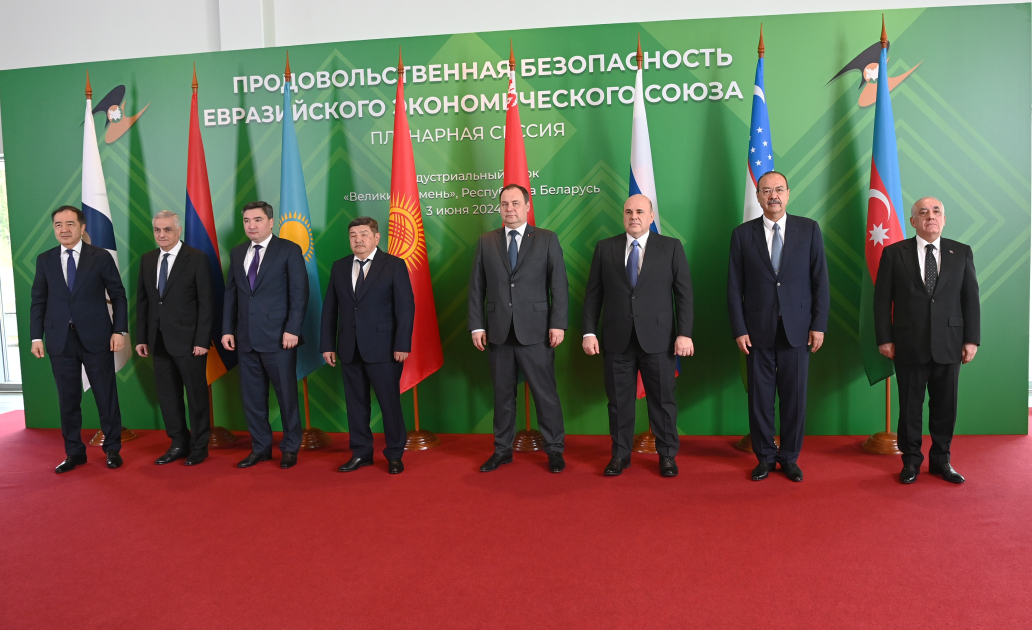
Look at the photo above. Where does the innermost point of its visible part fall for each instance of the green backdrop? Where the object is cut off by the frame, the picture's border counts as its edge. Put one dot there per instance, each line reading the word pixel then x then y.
pixel 962 123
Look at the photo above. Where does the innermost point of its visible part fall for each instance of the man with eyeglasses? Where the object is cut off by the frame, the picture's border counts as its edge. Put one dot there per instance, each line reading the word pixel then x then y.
pixel 778 301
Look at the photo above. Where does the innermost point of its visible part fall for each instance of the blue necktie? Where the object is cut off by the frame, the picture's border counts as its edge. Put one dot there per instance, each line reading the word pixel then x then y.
pixel 775 250
pixel 252 272
pixel 632 264
pixel 163 275
pixel 361 274
pixel 512 249
pixel 71 269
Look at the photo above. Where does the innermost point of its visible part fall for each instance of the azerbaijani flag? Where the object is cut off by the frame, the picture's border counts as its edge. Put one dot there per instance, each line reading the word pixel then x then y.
pixel 515 165
pixel 200 234
pixel 407 241
pixel 296 226
pixel 885 224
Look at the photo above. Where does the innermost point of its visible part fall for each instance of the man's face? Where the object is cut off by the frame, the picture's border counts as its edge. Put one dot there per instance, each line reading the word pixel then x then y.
pixel 772 194
pixel 928 219
pixel 166 233
pixel 257 226
pixel 637 215
pixel 67 228
pixel 513 208
pixel 363 240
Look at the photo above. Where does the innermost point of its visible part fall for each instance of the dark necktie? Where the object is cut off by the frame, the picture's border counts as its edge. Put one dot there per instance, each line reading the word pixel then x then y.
pixel 775 249
pixel 632 263
pixel 71 269
pixel 512 249
pixel 361 274
pixel 163 275
pixel 931 269
pixel 252 271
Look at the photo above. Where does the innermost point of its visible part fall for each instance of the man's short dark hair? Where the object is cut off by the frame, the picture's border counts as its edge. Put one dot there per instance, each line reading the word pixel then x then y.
pixel 78 213
pixel 526 193
pixel 370 221
pixel 771 173
pixel 258 205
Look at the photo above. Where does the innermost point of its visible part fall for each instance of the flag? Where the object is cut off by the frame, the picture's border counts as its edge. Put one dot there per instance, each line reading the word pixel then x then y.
pixel 200 234
pixel 295 225
pixel 761 152
pixel 100 231
pixel 643 178
pixel 515 165
pixel 406 240
pixel 885 224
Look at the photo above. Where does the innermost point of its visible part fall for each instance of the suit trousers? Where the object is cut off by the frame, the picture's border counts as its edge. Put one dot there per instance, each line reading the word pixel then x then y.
pixel 256 370
pixel 657 375
pixel 784 370
pixel 941 381
pixel 171 376
pixel 537 362
pixel 385 379
pixel 100 369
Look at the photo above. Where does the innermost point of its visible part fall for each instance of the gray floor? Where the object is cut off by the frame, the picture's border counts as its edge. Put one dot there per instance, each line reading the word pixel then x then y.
pixel 11 401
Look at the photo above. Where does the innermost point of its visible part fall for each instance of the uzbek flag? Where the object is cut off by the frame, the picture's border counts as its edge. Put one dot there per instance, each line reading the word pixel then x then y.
pixel 761 150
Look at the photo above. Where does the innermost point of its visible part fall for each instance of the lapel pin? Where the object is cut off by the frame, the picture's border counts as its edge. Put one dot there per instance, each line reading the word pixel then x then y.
pixel 951 251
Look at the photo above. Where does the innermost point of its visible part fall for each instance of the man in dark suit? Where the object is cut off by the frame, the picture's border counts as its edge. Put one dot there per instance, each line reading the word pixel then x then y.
pixel 70 309
pixel 367 324
pixel 927 319
pixel 519 278
pixel 641 280
pixel 266 298
pixel 173 321
pixel 778 301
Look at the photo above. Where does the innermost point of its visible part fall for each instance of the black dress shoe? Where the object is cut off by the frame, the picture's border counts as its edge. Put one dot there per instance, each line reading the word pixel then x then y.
pixel 793 472
pixel 114 460
pixel 195 458
pixel 355 463
pixel 908 474
pixel 616 466
pixel 70 463
pixel 763 470
pixel 947 473
pixel 494 462
pixel 253 459
pixel 170 456
pixel 556 463
pixel 667 467
pixel 288 460
pixel 395 467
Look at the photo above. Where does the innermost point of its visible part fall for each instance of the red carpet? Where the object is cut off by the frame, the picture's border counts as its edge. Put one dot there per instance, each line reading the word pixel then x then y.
pixel 444 546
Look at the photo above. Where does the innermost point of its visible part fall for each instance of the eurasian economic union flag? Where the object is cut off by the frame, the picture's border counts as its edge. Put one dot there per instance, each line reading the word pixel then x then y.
pixel 296 226
pixel 761 151
pixel 884 218
pixel 100 231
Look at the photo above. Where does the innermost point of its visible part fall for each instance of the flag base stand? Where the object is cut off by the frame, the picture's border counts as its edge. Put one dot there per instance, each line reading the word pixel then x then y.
pixel 882 443
pixel 528 440
pixel 127 436
pixel 745 444
pixel 645 443
pixel 221 437
pixel 312 439
pixel 421 440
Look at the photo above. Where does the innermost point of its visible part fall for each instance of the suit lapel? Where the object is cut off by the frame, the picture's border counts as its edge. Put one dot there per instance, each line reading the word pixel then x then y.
pixel 619 248
pixel 182 260
pixel 503 250
pixel 375 267
pixel 649 260
pixel 268 256
pixel 56 260
pixel 946 266
pixel 86 263
pixel 349 264
pixel 760 239
pixel 525 247
pixel 910 262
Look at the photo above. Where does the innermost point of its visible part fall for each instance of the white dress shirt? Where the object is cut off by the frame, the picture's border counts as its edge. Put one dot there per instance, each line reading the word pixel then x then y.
pixel 172 254
pixel 921 253
pixel 261 256
pixel 355 267
pixel 768 232
pixel 519 241
pixel 642 240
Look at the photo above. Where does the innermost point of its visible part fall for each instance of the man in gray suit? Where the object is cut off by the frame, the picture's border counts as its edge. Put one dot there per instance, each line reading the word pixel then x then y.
pixel 519 279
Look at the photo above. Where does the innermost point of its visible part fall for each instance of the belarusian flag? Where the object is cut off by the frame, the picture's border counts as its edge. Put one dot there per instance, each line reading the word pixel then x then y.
pixel 515 166
pixel 406 240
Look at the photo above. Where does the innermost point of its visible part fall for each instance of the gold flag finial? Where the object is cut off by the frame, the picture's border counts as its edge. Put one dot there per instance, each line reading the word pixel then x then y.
pixel 194 84
pixel 512 57
pixel 286 73
pixel 401 67
pixel 759 49
pixel 884 35
pixel 641 57
pixel 89 90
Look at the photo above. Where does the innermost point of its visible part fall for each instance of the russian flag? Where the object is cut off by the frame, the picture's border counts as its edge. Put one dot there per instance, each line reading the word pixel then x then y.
pixel 200 234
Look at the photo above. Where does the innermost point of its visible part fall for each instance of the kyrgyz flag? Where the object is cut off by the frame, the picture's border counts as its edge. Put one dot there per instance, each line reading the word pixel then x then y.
pixel 515 166
pixel 200 234
pixel 407 241
pixel 884 216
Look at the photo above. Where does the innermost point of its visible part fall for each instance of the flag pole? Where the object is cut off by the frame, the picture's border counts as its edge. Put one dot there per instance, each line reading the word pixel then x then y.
pixel 220 436
pixel 312 439
pixel 529 439
pixel 419 439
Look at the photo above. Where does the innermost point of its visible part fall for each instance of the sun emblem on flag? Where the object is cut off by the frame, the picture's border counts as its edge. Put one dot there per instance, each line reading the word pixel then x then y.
pixel 295 227
pixel 405 232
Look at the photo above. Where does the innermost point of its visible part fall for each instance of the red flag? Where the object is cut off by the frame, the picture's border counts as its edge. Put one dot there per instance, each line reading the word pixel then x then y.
pixel 407 241
pixel 515 154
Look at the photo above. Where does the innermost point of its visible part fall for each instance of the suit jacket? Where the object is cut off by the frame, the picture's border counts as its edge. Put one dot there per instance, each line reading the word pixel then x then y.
pixel 377 321
pixel 532 298
pixel 927 327
pixel 184 313
pixel 800 293
pixel 664 280
pixel 278 302
pixel 53 305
